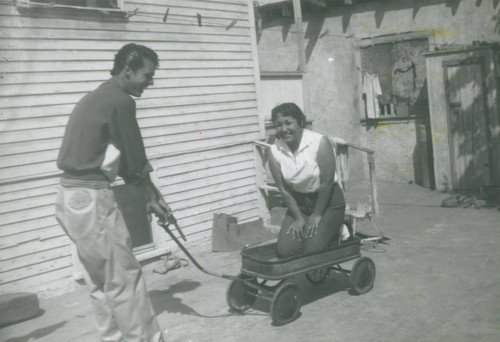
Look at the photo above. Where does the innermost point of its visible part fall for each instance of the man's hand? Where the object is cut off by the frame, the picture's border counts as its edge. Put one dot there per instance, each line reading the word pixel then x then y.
pixel 155 202
pixel 158 207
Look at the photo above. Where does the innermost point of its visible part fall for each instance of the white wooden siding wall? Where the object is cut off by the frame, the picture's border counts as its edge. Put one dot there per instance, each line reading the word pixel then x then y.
pixel 198 120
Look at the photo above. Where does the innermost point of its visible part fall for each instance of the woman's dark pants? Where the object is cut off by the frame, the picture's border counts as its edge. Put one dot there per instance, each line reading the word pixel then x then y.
pixel 328 230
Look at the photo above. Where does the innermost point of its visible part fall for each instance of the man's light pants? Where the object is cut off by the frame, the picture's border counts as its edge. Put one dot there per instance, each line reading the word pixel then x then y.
pixel 92 220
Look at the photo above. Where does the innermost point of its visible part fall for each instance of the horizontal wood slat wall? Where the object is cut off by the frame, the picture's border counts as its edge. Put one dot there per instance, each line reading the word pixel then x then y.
pixel 198 120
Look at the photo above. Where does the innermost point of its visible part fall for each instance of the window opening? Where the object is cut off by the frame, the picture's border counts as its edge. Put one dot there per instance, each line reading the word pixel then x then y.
pixel 394 79
pixel 100 4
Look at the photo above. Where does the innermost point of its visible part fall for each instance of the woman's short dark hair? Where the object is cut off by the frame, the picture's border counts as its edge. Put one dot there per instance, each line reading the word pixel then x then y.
pixel 289 109
pixel 132 55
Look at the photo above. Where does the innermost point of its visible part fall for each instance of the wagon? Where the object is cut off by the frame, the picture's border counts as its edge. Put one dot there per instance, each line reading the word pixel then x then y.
pixel 260 265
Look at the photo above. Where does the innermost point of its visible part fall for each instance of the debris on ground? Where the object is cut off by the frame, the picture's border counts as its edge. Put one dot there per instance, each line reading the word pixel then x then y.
pixel 485 197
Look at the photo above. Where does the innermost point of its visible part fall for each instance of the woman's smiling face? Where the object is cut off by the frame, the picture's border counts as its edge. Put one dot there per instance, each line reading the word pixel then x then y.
pixel 288 130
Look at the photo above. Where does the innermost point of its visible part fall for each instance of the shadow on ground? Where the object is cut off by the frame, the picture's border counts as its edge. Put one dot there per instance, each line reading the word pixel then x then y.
pixel 166 301
pixel 38 333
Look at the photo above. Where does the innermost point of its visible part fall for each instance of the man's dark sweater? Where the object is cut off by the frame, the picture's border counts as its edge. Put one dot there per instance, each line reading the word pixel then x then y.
pixel 105 116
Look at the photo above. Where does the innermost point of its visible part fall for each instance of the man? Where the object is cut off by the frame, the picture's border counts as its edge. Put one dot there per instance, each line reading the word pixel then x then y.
pixel 104 124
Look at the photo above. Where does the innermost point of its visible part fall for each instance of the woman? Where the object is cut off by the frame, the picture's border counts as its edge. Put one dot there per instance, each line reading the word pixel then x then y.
pixel 302 163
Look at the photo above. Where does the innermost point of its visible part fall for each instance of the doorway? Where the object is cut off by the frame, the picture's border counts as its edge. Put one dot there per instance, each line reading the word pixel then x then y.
pixel 468 123
pixel 131 200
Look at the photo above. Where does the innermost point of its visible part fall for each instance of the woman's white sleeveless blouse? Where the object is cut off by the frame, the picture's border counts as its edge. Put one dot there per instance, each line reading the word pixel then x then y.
pixel 300 169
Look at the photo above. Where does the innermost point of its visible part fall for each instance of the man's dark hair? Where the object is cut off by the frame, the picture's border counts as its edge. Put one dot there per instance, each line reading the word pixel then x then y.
pixel 289 109
pixel 132 55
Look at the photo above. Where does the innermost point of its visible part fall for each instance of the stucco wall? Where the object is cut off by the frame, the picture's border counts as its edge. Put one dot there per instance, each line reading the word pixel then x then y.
pixel 401 151
pixel 332 82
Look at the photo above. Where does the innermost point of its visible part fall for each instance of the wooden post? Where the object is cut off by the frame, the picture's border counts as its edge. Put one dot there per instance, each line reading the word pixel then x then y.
pixel 297 13
pixel 373 183
pixel 256 69
pixel 259 167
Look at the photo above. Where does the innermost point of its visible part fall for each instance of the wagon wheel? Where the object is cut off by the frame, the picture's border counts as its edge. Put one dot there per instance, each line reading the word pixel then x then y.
pixel 285 305
pixel 362 275
pixel 239 296
pixel 317 276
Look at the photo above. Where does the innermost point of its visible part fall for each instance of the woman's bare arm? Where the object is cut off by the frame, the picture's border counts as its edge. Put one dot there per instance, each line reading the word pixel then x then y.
pixel 326 164
pixel 297 227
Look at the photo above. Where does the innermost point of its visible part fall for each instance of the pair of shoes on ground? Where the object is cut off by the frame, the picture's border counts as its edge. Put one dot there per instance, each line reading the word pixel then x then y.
pixel 170 263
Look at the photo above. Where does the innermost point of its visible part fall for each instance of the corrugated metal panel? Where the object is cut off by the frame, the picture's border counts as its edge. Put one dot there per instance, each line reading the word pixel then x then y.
pixel 198 120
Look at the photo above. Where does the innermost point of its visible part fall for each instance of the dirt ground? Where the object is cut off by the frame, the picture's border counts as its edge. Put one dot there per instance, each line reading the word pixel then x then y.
pixel 438 279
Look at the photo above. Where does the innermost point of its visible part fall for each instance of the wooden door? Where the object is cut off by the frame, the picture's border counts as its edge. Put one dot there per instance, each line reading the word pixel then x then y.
pixel 468 127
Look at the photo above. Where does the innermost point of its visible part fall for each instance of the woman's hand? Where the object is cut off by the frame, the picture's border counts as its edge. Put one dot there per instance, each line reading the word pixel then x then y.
pixel 312 225
pixel 297 228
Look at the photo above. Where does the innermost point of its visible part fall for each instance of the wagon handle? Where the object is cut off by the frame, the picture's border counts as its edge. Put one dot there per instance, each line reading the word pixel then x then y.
pixel 165 222
pixel 168 219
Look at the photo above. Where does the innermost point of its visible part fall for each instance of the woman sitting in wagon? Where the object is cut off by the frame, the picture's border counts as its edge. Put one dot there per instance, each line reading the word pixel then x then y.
pixel 302 163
